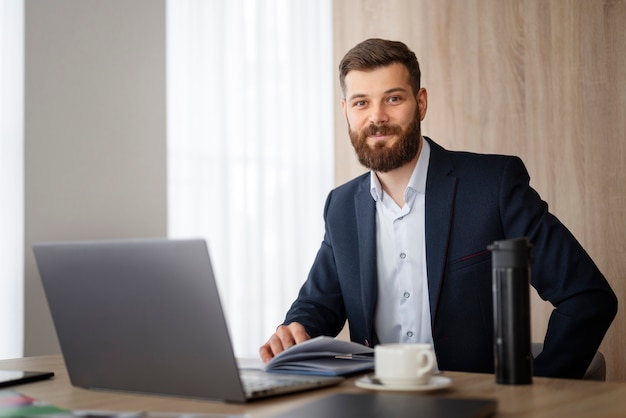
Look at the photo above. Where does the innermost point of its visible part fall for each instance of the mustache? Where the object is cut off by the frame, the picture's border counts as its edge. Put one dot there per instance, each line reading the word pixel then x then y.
pixel 382 130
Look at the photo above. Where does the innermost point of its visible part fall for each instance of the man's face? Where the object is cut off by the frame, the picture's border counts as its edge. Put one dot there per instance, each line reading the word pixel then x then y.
pixel 383 116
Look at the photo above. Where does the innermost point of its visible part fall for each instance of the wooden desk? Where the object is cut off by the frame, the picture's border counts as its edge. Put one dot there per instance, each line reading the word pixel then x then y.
pixel 545 397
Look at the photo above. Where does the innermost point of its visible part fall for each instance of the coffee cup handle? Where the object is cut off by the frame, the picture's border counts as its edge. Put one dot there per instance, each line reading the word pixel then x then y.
pixel 427 358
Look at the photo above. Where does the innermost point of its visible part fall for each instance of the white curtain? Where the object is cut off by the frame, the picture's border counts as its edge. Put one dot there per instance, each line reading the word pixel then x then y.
pixel 11 178
pixel 250 147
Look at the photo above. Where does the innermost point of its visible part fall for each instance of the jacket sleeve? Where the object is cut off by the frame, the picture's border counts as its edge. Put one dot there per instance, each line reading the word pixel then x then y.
pixel 563 274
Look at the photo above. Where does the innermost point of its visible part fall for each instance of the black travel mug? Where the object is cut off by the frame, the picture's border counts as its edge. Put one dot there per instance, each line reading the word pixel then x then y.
pixel 511 311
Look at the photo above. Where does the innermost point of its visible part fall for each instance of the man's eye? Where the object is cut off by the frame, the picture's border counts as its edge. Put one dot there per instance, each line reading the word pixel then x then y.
pixel 360 103
pixel 394 99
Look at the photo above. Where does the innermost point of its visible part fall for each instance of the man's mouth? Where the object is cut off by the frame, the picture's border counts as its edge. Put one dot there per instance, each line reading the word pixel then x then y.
pixel 379 136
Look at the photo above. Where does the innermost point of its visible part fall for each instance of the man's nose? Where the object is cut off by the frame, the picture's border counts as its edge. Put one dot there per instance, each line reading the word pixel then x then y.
pixel 378 115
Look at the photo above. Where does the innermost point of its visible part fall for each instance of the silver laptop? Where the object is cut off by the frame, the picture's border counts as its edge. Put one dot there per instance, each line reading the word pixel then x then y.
pixel 145 316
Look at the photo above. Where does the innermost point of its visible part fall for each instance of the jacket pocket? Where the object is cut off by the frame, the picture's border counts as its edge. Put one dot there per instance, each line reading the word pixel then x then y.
pixel 483 256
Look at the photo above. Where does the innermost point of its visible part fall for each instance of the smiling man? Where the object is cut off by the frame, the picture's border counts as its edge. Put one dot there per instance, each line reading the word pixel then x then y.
pixel 404 256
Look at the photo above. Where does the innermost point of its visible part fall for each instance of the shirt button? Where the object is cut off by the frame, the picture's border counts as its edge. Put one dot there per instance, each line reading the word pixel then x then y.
pixel 402 256
pixel 409 334
pixel 406 295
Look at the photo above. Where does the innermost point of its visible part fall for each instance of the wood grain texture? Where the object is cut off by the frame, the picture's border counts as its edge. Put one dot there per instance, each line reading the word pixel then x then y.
pixel 541 79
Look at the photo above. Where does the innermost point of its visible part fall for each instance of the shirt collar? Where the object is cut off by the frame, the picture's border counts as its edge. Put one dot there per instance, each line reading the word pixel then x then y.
pixel 417 182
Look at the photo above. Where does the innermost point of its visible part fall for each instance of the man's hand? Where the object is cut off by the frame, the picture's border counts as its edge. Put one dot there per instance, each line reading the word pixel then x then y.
pixel 285 337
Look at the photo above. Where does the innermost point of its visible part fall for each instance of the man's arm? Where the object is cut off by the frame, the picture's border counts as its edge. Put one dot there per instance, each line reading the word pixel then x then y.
pixel 318 307
pixel 563 274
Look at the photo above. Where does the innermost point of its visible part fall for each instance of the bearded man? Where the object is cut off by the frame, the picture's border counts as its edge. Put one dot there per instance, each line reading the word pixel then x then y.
pixel 404 256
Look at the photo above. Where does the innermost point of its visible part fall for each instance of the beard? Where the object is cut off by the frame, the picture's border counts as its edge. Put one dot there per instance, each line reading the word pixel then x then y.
pixel 383 158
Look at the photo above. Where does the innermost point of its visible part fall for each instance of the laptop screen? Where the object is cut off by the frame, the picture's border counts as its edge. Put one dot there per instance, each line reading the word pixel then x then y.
pixel 141 316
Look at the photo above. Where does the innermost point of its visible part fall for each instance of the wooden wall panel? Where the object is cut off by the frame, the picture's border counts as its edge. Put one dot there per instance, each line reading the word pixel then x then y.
pixel 544 80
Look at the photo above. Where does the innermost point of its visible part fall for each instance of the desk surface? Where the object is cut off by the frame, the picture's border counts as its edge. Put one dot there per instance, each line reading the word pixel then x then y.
pixel 545 397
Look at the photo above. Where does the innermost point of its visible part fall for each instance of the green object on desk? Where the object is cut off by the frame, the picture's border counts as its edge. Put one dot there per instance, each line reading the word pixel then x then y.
pixel 13 405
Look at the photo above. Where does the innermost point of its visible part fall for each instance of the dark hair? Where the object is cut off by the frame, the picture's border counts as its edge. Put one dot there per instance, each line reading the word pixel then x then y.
pixel 375 53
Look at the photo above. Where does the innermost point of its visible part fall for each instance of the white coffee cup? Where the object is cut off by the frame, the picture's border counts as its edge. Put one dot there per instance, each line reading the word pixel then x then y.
pixel 404 364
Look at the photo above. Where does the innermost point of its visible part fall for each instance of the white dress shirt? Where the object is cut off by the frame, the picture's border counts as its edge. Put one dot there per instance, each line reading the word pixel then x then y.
pixel 403 308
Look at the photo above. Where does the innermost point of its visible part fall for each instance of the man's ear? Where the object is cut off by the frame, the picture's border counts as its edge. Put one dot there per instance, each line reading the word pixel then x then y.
pixel 422 102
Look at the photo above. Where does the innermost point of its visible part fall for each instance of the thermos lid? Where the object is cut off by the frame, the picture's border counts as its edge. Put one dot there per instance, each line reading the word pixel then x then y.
pixel 516 252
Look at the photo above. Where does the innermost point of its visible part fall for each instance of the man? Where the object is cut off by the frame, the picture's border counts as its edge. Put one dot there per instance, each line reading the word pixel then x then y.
pixel 404 256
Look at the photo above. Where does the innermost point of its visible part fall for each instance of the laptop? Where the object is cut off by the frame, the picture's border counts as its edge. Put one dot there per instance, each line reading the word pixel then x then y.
pixel 145 316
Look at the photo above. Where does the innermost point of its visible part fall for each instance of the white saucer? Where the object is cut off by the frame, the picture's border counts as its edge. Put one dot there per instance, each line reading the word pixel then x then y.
pixel 436 383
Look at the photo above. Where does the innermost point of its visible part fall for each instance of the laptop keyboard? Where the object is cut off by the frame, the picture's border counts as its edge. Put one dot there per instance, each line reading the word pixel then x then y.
pixel 255 383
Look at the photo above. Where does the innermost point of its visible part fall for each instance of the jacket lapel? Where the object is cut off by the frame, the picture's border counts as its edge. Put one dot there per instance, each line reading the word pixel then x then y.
pixel 365 209
pixel 440 192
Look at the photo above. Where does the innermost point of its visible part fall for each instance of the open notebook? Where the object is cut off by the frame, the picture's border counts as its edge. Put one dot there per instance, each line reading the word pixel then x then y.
pixel 145 316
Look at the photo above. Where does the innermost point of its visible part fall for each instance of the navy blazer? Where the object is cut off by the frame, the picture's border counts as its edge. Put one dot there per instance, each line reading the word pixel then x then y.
pixel 471 200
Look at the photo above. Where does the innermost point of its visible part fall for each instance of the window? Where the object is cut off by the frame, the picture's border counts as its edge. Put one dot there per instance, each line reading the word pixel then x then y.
pixel 11 178
pixel 250 147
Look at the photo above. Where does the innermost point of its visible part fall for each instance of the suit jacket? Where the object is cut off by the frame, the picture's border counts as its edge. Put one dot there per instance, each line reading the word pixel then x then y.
pixel 471 200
